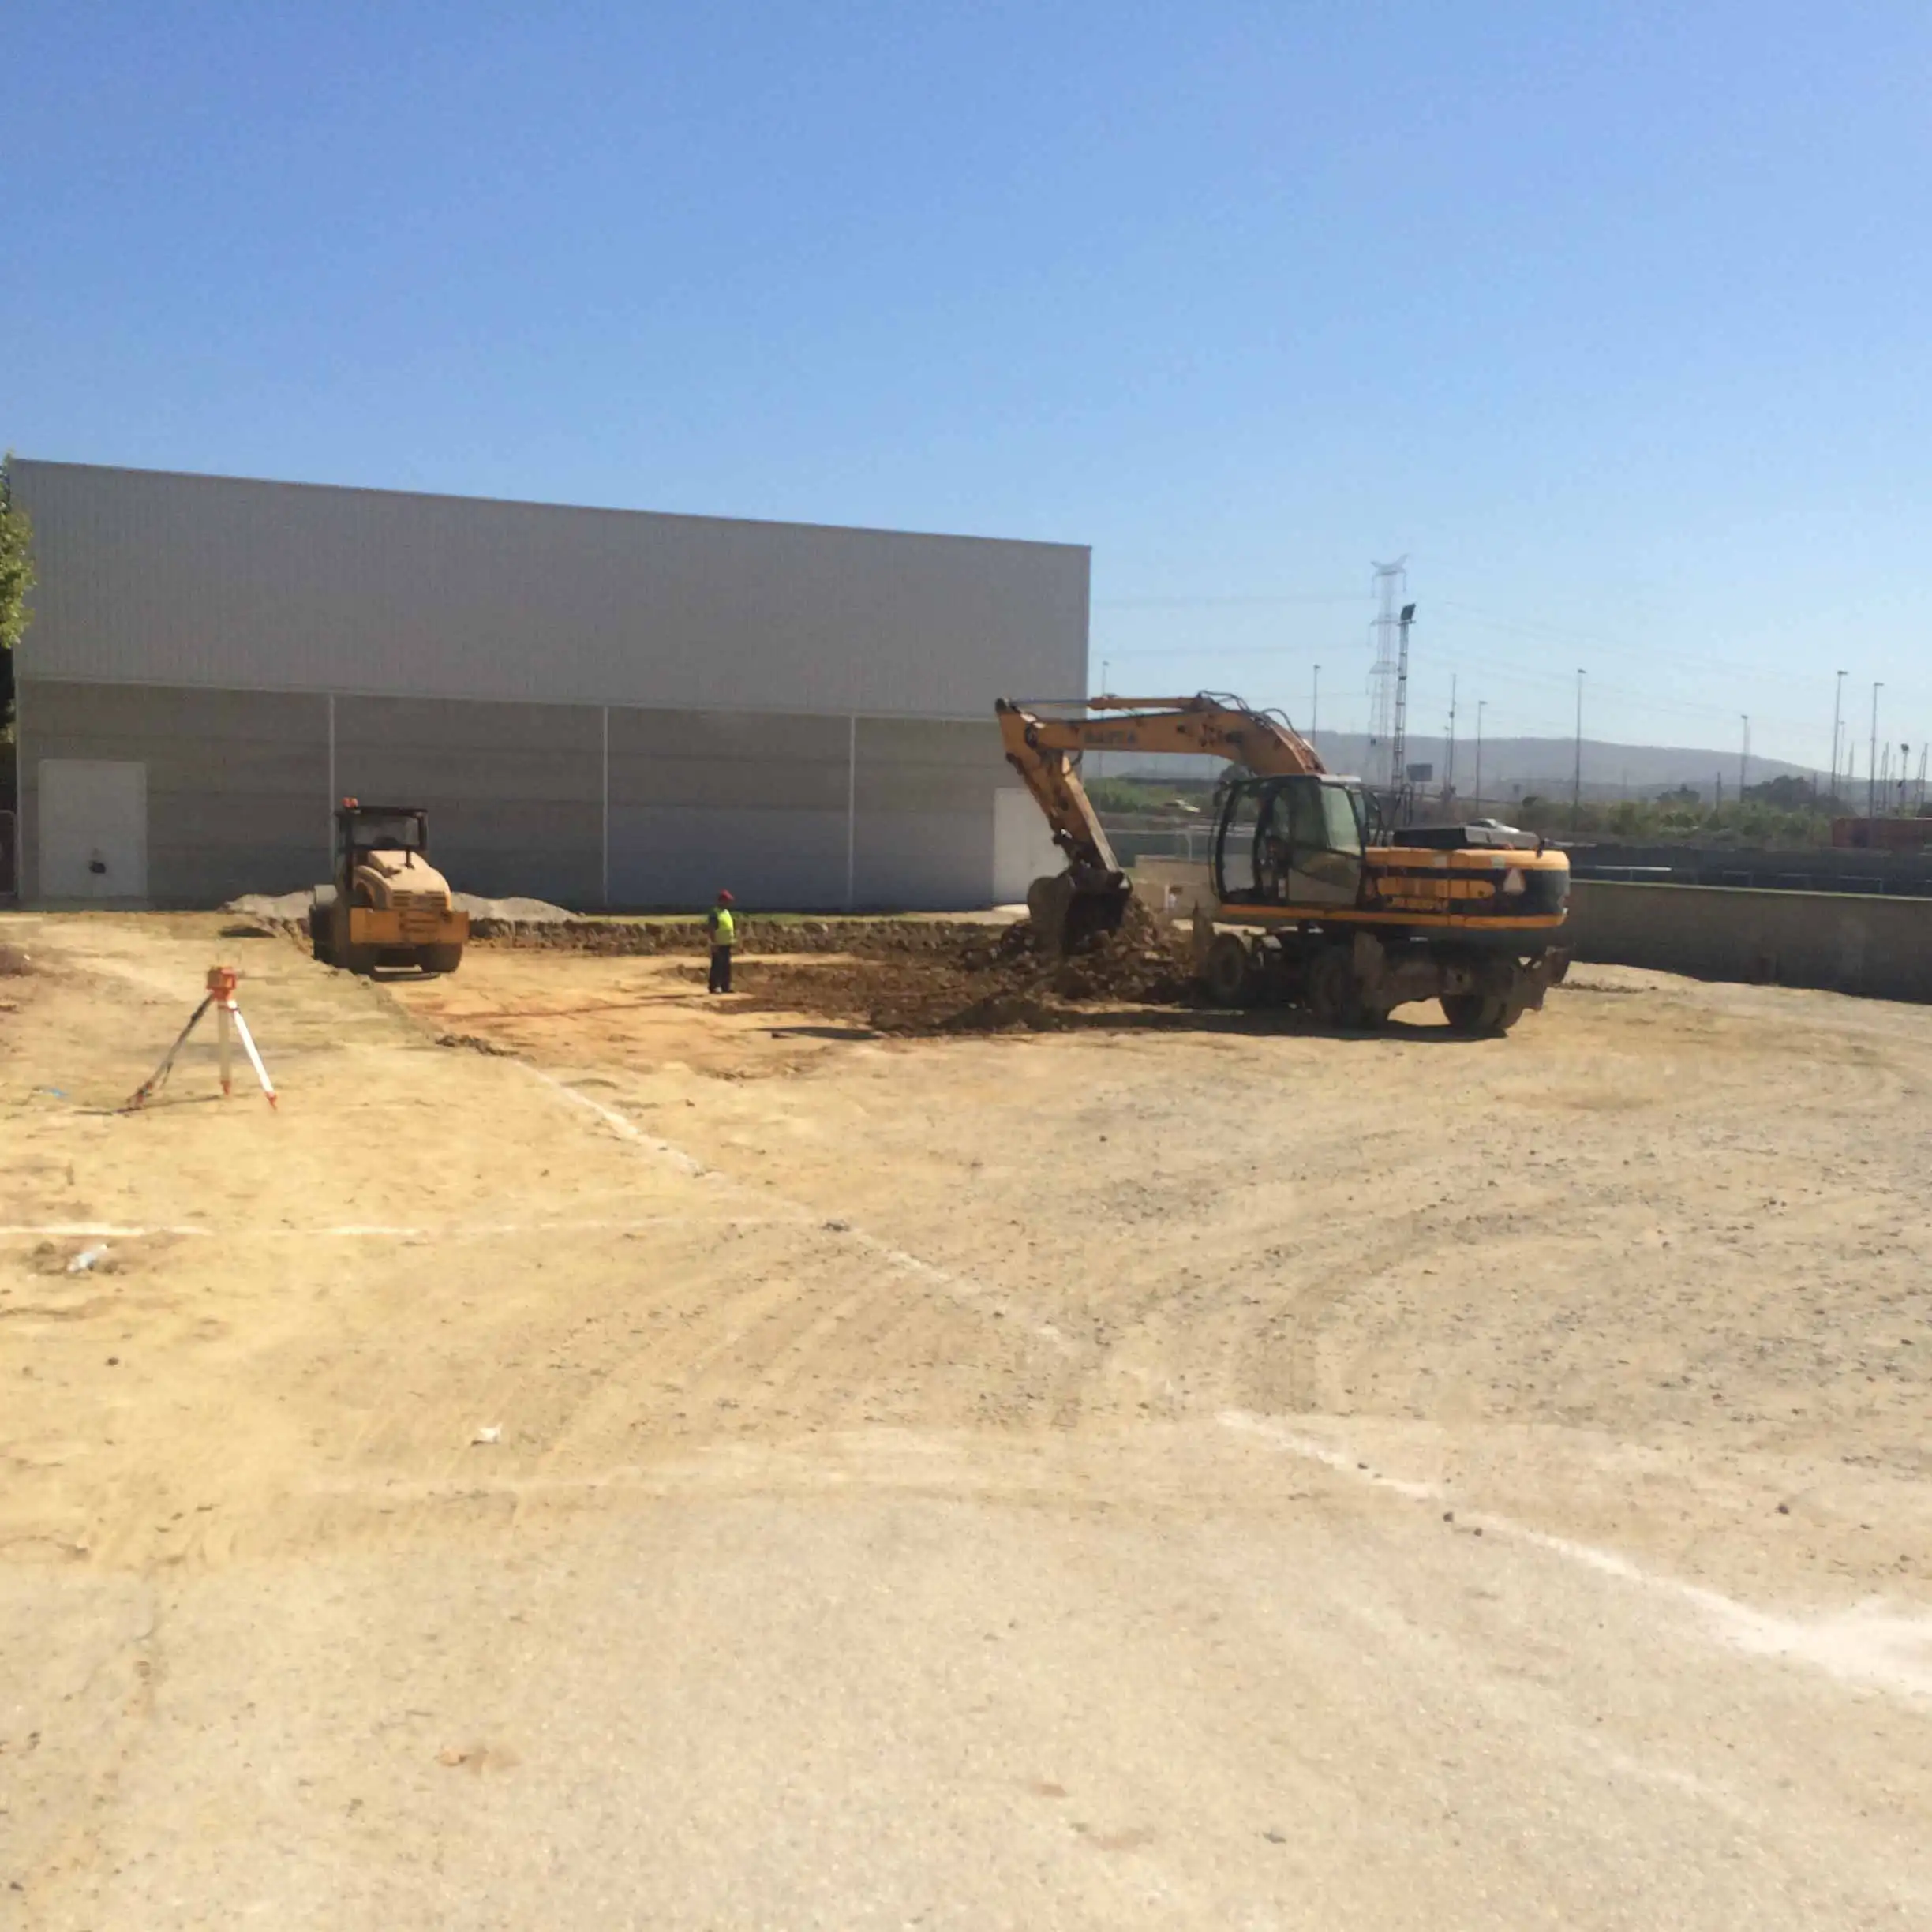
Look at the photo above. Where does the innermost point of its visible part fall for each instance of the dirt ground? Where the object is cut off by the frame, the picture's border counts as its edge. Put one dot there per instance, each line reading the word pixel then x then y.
pixel 658 1461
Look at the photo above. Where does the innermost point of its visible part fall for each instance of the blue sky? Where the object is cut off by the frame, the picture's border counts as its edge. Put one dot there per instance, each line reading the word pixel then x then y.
pixel 1616 318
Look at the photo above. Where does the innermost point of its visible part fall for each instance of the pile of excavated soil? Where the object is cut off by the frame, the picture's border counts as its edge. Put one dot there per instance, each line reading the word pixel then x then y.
pixel 974 982
pixel 284 910
pixel 272 909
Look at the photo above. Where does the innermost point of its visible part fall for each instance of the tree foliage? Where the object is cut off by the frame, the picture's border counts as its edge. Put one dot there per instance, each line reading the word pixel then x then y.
pixel 17 570
pixel 17 578
pixel 1680 818
pixel 1136 794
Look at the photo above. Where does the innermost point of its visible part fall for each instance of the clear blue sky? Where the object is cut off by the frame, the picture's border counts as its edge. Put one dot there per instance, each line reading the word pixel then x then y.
pixel 1616 318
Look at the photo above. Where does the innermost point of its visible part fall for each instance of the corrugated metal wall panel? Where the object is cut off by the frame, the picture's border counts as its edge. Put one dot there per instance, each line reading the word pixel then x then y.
pixel 239 790
pixel 151 578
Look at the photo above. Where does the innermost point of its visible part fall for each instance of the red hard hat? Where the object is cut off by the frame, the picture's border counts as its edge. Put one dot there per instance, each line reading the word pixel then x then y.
pixel 725 898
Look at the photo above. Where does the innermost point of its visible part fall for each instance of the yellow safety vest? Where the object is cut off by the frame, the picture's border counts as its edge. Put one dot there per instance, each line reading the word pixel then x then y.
pixel 724 928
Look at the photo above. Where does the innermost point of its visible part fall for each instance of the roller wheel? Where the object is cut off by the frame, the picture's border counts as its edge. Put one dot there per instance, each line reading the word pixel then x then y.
pixel 1228 973
pixel 321 909
pixel 439 959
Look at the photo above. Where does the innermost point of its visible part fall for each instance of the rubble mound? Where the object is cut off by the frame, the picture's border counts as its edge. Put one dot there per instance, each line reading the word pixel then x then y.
pixel 514 912
pixel 277 911
pixel 985 981
pixel 288 912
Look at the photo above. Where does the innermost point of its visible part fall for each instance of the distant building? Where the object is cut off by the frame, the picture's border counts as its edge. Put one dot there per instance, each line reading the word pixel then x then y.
pixel 1883 834
pixel 599 707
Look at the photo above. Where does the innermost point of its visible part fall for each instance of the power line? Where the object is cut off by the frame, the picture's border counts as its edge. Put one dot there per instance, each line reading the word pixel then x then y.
pixel 1212 603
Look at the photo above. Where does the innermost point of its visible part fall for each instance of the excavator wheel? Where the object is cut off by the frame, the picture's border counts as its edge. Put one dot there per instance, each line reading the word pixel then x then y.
pixel 1480 1015
pixel 1333 993
pixel 1228 971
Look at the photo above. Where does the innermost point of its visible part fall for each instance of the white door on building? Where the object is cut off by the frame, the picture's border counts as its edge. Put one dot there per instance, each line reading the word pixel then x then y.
pixel 1022 848
pixel 93 816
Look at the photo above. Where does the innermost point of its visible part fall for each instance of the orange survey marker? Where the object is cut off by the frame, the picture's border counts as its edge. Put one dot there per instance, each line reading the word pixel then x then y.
pixel 221 996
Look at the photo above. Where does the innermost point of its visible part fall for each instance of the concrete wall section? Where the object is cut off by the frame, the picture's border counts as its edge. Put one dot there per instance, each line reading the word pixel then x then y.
pixel 1175 885
pixel 237 782
pixel 1881 947
pixel 1023 846
pixel 1811 868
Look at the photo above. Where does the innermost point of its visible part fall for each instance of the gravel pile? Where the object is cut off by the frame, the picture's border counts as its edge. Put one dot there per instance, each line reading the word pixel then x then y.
pixel 292 908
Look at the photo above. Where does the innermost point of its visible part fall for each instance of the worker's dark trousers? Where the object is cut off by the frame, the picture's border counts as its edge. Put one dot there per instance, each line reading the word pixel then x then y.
pixel 720 969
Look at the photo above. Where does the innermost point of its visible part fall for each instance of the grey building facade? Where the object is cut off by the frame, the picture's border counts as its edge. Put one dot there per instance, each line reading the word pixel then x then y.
pixel 599 707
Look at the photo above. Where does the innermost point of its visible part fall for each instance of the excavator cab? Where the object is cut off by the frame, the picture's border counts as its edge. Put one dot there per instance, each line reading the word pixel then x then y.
pixel 1296 840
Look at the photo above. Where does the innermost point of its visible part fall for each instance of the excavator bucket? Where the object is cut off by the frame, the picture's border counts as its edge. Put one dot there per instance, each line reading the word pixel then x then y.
pixel 1066 914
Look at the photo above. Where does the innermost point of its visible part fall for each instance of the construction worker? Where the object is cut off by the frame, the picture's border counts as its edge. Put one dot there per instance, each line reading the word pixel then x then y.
pixel 724 931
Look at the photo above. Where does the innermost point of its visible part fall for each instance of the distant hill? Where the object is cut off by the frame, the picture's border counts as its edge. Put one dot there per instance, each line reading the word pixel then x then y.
pixel 1512 768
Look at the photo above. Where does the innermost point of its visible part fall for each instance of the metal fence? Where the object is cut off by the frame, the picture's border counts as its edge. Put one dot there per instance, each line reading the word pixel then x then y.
pixel 1819 869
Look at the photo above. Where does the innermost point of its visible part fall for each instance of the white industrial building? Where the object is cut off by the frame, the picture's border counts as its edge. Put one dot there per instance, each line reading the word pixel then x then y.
pixel 601 708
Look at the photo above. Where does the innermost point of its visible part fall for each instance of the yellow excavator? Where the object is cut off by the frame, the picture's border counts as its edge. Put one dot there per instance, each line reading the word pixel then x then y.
pixel 1317 902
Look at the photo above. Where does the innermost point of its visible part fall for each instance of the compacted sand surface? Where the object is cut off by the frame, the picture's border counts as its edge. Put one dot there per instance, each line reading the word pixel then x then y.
pixel 657 1461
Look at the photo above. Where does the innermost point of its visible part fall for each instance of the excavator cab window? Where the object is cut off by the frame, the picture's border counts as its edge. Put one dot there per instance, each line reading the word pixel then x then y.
pixel 1341 813
pixel 1309 844
pixel 1235 877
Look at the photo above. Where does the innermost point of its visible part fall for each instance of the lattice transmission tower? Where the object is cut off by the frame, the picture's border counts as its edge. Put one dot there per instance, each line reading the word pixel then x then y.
pixel 1391 580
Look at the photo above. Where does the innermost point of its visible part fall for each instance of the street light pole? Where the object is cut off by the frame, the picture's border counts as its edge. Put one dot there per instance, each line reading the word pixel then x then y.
pixel 1480 703
pixel 1315 706
pixel 1837 711
pixel 1871 767
pixel 1744 757
pixel 1576 791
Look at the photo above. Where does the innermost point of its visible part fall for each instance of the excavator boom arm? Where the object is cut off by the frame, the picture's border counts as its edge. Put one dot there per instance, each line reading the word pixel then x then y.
pixel 1041 746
